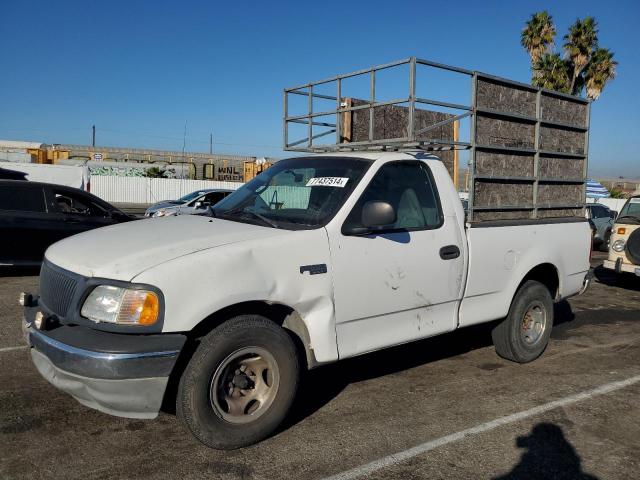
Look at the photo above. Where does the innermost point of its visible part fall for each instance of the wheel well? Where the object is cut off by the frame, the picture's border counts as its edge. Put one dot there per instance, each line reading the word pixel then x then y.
pixel 282 315
pixel 546 274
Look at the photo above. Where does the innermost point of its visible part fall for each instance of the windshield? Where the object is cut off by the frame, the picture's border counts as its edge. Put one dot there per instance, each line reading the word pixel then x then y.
pixel 297 193
pixel 630 213
pixel 190 196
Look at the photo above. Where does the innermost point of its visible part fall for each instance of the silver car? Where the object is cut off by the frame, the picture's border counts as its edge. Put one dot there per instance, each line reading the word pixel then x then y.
pixel 601 219
pixel 193 203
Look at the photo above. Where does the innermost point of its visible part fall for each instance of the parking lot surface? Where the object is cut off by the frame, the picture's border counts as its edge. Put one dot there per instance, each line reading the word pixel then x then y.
pixel 447 407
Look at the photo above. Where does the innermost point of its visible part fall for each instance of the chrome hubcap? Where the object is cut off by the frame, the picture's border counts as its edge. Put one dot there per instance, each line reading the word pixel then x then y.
pixel 244 385
pixel 534 323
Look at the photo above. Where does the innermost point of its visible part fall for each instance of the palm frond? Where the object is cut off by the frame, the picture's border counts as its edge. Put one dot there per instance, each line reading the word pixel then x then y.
pixel 600 70
pixel 538 35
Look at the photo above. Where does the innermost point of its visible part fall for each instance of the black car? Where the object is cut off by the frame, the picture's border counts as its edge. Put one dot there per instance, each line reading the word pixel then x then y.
pixel 34 215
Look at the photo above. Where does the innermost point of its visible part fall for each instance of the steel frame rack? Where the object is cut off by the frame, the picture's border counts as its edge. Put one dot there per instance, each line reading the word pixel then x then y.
pixel 415 137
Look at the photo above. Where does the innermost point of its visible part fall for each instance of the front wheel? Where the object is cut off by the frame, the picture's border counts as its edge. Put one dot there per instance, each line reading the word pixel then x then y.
pixel 240 383
pixel 524 334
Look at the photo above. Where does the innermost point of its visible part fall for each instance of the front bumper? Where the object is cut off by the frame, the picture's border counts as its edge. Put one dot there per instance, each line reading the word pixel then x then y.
pixel 123 375
pixel 619 266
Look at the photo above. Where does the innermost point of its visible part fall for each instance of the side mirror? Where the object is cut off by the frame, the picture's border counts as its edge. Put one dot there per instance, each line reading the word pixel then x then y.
pixel 377 214
pixel 613 214
pixel 202 205
pixel 374 216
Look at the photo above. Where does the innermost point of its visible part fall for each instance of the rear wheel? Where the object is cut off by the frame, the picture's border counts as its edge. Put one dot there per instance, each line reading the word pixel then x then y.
pixel 240 383
pixel 524 334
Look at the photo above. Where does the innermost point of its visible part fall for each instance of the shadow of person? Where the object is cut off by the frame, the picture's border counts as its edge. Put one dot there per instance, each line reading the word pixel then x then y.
pixel 547 455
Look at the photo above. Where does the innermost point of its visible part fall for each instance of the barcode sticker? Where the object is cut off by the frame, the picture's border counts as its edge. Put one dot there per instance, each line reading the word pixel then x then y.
pixel 327 182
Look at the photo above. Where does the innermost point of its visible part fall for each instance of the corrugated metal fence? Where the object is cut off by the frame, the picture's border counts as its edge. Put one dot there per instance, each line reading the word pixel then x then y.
pixel 149 190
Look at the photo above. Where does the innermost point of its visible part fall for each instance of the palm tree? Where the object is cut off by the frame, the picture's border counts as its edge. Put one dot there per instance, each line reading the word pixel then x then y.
pixel 553 73
pixel 538 35
pixel 601 69
pixel 581 41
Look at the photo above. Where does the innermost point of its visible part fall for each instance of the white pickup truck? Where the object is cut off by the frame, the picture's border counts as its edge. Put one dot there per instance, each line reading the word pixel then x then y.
pixel 318 259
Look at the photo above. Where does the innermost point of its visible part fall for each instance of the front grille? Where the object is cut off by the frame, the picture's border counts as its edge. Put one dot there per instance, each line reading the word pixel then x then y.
pixel 57 289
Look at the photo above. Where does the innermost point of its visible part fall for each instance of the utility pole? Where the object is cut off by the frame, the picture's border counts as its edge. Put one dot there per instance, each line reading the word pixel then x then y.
pixel 93 136
pixel 184 138
pixel 211 143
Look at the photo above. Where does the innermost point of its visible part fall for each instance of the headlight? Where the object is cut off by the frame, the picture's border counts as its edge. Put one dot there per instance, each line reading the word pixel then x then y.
pixel 111 304
pixel 163 213
pixel 618 246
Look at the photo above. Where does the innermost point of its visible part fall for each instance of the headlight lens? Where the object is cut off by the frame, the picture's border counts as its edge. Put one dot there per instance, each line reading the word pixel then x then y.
pixel 164 213
pixel 123 306
pixel 618 245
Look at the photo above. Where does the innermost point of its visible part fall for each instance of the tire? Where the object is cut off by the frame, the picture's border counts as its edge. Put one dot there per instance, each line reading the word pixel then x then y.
pixel 524 334
pixel 632 248
pixel 604 246
pixel 240 383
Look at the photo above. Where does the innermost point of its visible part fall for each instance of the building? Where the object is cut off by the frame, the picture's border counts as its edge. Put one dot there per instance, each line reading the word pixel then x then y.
pixel 23 152
pixel 202 166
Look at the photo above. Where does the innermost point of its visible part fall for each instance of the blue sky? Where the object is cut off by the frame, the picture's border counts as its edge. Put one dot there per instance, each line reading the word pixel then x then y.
pixel 139 70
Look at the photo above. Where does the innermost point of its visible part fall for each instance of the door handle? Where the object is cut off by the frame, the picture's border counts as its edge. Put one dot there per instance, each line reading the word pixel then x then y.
pixel 449 252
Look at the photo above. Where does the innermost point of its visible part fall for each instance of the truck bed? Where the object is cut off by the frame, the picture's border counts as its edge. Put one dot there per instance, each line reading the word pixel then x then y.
pixel 501 256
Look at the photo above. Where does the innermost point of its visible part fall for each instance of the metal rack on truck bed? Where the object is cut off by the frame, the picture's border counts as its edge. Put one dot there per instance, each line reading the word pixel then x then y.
pixel 528 146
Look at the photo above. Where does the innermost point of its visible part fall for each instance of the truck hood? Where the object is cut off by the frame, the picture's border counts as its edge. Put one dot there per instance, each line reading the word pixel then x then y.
pixel 122 251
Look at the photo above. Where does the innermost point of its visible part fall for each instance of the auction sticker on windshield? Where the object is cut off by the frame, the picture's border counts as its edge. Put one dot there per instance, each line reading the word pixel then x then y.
pixel 327 182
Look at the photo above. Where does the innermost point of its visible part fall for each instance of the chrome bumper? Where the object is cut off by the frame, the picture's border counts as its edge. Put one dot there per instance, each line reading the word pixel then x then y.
pixel 123 384
pixel 619 266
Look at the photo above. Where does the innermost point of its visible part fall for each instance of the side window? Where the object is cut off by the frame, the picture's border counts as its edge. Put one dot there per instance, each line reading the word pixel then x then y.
pixel 599 212
pixel 23 199
pixel 409 188
pixel 72 203
pixel 213 197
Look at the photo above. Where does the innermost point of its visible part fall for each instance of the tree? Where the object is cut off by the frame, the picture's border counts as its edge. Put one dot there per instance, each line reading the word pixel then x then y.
pixel 599 71
pixel 537 36
pixel 552 73
pixel 616 193
pixel 580 43
pixel 586 64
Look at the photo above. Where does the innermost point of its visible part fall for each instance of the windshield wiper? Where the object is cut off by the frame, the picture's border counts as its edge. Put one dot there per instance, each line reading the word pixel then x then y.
pixel 238 212
pixel 261 217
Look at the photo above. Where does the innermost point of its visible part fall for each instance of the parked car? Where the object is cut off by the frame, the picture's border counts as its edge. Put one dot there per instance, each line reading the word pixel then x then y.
pixel 189 204
pixel 35 215
pixel 360 251
pixel 624 251
pixel 601 218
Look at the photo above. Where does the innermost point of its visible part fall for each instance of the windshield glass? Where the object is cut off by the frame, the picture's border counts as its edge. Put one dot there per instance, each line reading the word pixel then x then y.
pixel 296 193
pixel 190 196
pixel 630 212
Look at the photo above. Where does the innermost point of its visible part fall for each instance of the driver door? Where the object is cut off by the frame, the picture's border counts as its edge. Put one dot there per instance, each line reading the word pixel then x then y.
pixel 405 281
